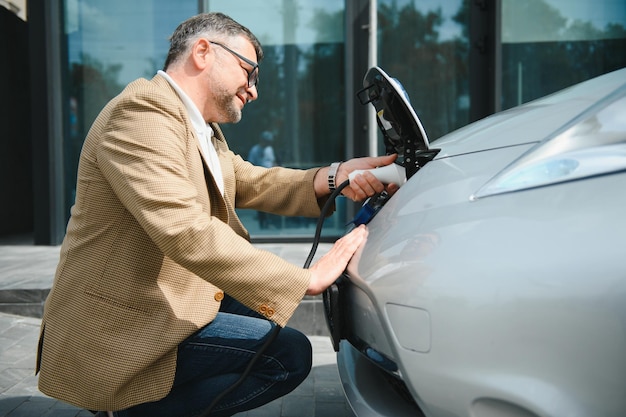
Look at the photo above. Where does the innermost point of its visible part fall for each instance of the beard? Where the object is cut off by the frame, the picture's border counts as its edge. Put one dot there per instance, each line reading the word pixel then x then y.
pixel 227 105
pixel 228 108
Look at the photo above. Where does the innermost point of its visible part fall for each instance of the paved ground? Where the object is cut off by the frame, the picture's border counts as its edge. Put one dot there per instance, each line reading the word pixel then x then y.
pixel 26 273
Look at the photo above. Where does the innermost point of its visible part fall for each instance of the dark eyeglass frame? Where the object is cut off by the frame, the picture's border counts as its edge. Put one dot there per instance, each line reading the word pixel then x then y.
pixel 253 75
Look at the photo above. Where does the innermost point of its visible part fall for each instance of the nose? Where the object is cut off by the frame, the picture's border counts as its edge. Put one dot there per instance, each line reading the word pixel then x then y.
pixel 253 93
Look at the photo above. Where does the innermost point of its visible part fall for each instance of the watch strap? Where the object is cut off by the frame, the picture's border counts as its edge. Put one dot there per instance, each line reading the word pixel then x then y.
pixel 332 175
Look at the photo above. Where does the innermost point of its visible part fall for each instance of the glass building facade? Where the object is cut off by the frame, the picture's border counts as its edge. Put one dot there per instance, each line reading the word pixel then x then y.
pixel 459 60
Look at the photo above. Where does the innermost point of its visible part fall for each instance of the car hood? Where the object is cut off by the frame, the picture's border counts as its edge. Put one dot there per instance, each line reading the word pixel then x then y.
pixel 469 159
pixel 529 123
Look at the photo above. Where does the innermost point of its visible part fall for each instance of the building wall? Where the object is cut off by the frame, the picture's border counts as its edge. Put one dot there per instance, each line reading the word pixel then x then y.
pixel 15 149
pixel 459 60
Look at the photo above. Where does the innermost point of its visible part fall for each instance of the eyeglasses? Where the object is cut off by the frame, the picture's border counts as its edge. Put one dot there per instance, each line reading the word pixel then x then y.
pixel 253 74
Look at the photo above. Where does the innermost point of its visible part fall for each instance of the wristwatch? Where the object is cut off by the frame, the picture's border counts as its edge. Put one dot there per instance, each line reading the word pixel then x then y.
pixel 332 174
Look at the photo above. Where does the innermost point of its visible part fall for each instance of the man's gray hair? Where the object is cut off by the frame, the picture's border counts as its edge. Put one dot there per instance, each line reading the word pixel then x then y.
pixel 213 26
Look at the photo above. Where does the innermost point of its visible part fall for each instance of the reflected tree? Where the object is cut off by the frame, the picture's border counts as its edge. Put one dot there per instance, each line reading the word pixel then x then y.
pixel 301 97
pixel 432 70
pixel 324 80
pixel 547 52
pixel 91 85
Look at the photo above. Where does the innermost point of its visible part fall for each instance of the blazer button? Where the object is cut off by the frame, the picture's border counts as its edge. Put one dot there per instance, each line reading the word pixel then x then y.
pixel 219 296
pixel 263 309
pixel 270 312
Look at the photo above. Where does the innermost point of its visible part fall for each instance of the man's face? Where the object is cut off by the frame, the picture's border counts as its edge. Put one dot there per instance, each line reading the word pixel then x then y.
pixel 229 78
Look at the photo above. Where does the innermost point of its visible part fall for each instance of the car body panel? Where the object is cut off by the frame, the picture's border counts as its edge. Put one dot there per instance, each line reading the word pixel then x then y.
pixel 536 313
pixel 512 305
pixel 531 122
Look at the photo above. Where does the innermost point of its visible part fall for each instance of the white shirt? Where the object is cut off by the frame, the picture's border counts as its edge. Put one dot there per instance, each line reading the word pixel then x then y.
pixel 204 132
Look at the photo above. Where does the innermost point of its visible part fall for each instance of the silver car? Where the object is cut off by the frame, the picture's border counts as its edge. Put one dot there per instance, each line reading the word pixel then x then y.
pixel 493 283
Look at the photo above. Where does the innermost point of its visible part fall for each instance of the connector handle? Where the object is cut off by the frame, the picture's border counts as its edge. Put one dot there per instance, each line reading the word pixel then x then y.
pixel 392 173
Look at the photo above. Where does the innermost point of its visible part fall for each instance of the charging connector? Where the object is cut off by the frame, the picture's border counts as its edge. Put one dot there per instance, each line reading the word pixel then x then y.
pixel 369 209
pixel 389 174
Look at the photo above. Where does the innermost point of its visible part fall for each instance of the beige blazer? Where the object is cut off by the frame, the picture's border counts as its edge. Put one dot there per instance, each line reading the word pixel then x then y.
pixel 150 249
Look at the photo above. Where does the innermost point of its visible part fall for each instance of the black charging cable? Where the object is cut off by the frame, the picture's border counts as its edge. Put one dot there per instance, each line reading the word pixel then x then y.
pixel 246 371
pixel 270 339
pixel 320 221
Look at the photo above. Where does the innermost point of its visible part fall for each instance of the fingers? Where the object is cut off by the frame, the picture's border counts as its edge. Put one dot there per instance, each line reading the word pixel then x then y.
pixel 363 186
pixel 330 266
pixel 386 159
pixel 378 161
pixel 348 244
pixel 392 188
pixel 341 252
pixel 366 184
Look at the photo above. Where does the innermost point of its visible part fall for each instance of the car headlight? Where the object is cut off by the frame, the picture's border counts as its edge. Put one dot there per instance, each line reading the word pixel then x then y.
pixel 594 143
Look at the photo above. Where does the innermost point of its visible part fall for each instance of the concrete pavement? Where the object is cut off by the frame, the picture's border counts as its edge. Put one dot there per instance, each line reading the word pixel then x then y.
pixel 26 274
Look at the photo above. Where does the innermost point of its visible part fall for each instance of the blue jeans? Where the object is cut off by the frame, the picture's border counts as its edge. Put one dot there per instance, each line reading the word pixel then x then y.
pixel 213 358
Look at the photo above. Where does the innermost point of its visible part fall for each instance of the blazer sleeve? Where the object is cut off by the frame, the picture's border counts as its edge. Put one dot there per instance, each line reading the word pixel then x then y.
pixel 278 190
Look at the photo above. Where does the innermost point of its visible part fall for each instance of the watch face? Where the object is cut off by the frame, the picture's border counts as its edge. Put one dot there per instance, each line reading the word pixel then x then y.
pixel 402 130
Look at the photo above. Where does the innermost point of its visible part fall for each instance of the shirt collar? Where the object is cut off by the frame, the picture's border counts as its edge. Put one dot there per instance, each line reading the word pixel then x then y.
pixel 198 122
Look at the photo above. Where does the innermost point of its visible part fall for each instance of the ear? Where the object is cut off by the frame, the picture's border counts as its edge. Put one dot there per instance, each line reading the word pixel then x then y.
pixel 200 53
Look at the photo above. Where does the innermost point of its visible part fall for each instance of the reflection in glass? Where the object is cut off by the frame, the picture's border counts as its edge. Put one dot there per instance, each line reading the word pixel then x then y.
pixel 301 97
pixel 108 45
pixel 427 49
pixel 548 45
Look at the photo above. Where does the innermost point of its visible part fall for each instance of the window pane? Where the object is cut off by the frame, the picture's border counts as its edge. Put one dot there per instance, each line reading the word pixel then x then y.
pixel 425 46
pixel 109 44
pixel 548 45
pixel 301 97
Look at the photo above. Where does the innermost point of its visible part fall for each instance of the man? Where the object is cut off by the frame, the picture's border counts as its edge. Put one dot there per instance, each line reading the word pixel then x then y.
pixel 159 300
pixel 262 153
